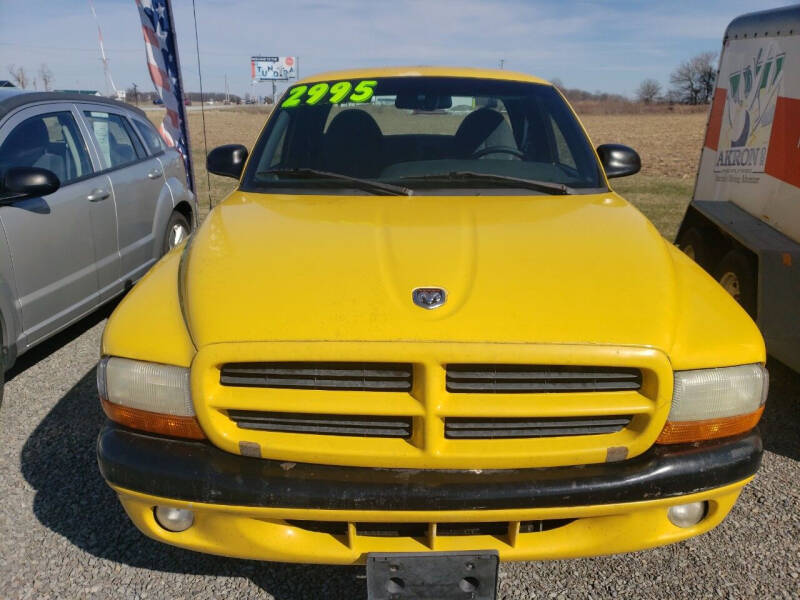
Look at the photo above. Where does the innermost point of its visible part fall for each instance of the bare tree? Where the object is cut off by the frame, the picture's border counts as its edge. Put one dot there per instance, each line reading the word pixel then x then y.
pixel 46 75
pixel 19 76
pixel 648 91
pixel 693 80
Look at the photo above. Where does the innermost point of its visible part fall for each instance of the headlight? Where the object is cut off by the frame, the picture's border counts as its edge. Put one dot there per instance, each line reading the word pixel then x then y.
pixel 147 396
pixel 714 403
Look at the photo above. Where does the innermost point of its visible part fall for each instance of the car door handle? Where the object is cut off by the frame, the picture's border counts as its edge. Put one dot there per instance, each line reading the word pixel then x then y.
pixel 154 174
pixel 98 194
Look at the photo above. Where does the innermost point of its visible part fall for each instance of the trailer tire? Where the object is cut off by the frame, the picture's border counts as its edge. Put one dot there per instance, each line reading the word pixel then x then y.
pixel 697 247
pixel 737 274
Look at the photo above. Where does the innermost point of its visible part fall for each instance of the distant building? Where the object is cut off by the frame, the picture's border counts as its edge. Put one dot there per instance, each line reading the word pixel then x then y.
pixel 6 83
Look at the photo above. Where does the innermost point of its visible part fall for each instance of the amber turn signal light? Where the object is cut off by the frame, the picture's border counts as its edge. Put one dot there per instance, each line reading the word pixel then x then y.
pixel 143 420
pixel 681 432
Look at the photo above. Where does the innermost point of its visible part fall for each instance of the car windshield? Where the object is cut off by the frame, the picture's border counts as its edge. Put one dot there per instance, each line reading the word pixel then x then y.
pixel 426 134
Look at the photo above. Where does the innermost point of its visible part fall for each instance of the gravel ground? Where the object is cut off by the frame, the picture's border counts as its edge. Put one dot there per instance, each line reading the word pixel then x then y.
pixel 64 535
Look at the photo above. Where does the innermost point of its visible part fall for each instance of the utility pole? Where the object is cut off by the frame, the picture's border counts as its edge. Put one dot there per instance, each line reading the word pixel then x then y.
pixel 103 57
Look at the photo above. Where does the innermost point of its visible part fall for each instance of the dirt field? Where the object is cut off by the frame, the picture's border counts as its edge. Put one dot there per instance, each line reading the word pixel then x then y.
pixel 669 144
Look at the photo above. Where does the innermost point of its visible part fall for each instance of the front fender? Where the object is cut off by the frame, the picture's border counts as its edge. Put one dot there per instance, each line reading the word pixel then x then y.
pixel 712 330
pixel 10 318
pixel 148 323
pixel 164 207
pixel 9 324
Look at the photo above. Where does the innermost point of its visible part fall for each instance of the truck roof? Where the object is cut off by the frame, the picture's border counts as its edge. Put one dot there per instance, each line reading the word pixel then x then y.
pixel 422 71
pixel 775 21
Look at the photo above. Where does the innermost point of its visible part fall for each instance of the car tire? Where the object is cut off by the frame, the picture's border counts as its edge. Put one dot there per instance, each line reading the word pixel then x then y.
pixel 178 229
pixel 736 273
pixel 696 246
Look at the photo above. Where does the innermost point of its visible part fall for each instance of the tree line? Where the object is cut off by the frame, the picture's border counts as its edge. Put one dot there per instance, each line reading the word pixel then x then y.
pixel 692 82
pixel 22 79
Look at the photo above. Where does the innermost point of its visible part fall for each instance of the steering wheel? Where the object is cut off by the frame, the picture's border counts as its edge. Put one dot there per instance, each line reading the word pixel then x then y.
pixel 498 150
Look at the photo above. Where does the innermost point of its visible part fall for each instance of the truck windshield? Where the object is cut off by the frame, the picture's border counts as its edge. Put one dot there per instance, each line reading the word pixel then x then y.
pixel 455 135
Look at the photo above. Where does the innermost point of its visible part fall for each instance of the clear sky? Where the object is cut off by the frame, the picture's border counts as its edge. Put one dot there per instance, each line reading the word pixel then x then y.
pixel 607 45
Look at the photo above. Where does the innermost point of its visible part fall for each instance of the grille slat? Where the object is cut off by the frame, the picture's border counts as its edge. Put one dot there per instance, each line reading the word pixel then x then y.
pixel 506 428
pixel 381 377
pixel 537 379
pixel 420 530
pixel 320 424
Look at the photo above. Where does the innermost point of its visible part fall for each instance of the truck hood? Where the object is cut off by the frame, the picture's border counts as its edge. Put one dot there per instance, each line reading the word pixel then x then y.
pixel 544 269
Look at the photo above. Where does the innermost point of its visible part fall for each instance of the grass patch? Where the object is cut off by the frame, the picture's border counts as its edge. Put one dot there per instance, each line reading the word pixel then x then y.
pixel 663 200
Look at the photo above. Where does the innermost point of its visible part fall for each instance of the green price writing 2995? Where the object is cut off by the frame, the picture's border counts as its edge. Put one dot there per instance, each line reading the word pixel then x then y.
pixel 335 93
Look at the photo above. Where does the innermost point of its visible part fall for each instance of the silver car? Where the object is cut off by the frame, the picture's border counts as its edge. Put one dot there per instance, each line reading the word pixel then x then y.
pixel 90 198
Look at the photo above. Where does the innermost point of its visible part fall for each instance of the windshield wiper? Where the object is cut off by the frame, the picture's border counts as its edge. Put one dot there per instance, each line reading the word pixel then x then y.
pixel 364 184
pixel 548 187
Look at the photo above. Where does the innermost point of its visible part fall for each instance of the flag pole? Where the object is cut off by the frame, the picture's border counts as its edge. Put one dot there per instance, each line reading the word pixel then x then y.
pixel 181 100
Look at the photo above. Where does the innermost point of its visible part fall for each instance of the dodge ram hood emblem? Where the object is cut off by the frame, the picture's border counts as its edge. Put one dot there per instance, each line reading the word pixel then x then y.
pixel 429 297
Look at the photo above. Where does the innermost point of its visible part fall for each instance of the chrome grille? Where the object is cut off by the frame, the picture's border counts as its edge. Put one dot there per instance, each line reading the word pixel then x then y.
pixel 353 376
pixel 318 424
pixel 526 427
pixel 537 379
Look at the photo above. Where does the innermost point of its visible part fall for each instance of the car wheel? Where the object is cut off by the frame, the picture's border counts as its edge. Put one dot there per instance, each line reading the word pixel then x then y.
pixel 737 274
pixel 696 246
pixel 178 229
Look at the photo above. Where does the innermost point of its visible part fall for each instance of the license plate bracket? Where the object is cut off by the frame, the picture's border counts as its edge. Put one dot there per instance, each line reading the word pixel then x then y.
pixel 443 575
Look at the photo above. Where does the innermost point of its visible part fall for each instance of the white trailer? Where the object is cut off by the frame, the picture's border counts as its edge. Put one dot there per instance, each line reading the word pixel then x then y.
pixel 743 224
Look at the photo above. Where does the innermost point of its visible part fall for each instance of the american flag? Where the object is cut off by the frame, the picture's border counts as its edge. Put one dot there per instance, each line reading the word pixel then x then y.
pixel 161 48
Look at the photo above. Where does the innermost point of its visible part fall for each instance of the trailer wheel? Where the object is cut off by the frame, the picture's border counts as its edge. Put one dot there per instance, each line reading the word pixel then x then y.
pixel 695 245
pixel 737 274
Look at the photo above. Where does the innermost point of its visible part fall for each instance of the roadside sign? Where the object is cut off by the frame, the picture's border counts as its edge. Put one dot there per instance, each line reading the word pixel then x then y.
pixel 273 68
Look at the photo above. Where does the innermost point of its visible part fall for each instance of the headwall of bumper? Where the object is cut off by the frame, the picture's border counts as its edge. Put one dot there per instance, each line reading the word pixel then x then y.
pixel 199 472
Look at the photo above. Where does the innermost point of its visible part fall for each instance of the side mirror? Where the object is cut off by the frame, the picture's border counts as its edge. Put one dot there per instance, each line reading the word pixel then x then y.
pixel 227 160
pixel 619 160
pixel 29 182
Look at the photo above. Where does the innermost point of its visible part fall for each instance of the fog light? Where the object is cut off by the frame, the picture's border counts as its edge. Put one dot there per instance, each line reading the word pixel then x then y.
pixel 174 519
pixel 686 515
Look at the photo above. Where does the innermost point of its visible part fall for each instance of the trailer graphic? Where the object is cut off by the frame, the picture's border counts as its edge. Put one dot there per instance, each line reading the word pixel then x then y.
pixel 743 224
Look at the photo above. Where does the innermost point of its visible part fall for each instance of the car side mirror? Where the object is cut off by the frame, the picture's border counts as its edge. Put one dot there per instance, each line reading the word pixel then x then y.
pixel 227 160
pixel 619 160
pixel 29 182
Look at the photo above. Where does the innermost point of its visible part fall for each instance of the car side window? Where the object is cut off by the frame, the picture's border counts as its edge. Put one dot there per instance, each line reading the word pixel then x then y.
pixel 150 136
pixel 117 143
pixel 49 141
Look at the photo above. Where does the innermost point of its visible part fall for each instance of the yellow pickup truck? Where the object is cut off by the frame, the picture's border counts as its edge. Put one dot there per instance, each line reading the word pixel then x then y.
pixel 424 325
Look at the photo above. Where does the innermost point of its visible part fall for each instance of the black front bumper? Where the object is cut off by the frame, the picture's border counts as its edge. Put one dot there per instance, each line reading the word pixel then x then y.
pixel 200 472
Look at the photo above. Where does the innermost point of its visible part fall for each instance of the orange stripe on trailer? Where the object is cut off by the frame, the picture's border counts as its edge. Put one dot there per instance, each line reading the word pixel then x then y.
pixel 715 118
pixel 783 159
